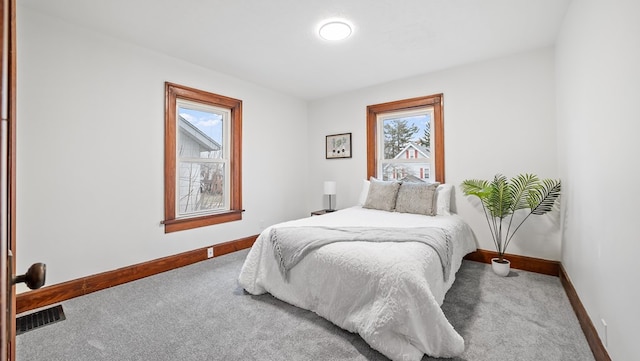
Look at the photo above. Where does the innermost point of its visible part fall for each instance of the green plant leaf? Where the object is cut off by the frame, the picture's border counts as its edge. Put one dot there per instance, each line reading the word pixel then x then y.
pixel 475 187
pixel 499 202
pixel 519 189
pixel 542 199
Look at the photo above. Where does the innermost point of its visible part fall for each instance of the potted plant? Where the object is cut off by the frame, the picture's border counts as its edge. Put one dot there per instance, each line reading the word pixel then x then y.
pixel 500 200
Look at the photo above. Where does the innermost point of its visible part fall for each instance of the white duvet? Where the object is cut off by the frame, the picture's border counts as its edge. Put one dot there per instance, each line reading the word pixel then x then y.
pixel 390 292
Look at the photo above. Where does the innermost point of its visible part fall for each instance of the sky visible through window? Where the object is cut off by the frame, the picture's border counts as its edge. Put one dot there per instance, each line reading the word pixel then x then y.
pixel 419 121
pixel 208 122
pixel 211 123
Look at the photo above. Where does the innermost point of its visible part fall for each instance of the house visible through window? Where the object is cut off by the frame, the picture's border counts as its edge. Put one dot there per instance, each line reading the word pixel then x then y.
pixel 405 139
pixel 202 158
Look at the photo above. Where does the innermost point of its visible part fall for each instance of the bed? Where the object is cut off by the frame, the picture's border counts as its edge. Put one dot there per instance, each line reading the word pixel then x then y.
pixel 389 293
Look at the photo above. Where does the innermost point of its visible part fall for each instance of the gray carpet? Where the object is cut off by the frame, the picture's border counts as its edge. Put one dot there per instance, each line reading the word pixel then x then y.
pixel 199 312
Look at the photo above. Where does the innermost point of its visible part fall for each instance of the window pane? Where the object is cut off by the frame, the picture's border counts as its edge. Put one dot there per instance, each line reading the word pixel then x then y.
pixel 200 187
pixel 407 150
pixel 200 133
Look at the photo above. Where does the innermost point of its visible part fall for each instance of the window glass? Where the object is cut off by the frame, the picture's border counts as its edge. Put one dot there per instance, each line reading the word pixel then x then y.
pixel 202 161
pixel 407 145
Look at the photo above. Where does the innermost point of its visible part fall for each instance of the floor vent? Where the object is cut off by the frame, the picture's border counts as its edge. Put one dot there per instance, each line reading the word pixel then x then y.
pixel 38 319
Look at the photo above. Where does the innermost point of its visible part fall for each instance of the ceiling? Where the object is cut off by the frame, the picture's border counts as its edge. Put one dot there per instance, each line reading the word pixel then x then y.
pixel 274 43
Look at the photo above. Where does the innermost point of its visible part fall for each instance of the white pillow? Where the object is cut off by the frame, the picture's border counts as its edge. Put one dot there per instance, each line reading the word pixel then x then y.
pixel 443 199
pixel 364 192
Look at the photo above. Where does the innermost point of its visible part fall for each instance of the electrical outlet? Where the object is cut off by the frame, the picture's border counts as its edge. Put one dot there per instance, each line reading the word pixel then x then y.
pixel 604 324
pixel 209 252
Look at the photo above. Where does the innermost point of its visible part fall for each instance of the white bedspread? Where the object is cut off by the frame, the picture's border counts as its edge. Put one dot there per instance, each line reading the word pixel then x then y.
pixel 390 293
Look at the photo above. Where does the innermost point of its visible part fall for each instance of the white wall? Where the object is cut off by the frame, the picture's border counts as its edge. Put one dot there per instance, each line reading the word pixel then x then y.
pixel 91 151
pixel 499 117
pixel 598 86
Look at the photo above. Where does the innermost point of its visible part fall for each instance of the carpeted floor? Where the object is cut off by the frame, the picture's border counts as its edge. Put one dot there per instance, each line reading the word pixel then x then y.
pixel 199 312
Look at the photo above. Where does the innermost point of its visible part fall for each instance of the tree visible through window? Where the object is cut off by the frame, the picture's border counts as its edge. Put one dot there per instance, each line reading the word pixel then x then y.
pixel 402 134
pixel 202 158
pixel 398 133
pixel 400 142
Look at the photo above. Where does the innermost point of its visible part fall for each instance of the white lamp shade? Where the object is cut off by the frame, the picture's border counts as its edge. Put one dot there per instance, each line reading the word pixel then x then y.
pixel 329 187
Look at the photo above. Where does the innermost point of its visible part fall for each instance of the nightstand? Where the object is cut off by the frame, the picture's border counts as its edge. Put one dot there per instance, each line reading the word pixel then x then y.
pixel 321 212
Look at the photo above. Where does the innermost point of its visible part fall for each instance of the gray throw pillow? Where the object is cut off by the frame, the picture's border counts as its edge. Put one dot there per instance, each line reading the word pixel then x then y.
pixel 418 198
pixel 382 195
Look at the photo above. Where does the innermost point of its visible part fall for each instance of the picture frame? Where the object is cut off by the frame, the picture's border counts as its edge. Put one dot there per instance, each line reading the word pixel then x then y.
pixel 338 146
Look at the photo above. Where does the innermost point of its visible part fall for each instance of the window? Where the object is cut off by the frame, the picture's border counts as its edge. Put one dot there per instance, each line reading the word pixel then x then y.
pixel 202 158
pixel 405 138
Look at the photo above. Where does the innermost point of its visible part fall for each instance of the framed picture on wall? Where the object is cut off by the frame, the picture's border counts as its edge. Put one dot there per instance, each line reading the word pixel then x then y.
pixel 338 146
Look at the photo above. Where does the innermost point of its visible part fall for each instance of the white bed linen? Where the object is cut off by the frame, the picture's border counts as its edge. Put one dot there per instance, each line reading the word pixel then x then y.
pixel 390 293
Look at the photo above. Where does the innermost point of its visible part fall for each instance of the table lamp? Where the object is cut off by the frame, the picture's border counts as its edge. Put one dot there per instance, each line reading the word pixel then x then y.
pixel 330 190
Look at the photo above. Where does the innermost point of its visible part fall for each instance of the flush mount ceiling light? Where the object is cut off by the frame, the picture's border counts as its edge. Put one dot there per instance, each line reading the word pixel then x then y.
pixel 334 30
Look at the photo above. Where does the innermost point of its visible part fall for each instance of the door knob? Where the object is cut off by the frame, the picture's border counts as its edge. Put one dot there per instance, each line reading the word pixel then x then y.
pixel 35 276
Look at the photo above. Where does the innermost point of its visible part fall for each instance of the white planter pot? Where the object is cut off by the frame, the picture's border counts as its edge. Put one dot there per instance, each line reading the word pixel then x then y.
pixel 501 269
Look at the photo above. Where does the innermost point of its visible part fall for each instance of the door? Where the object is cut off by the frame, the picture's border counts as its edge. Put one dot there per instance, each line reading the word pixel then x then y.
pixel 35 275
pixel 7 181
